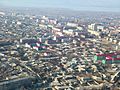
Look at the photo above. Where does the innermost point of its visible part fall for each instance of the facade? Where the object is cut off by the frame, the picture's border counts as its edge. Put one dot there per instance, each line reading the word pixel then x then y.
pixel 95 29
pixel 109 58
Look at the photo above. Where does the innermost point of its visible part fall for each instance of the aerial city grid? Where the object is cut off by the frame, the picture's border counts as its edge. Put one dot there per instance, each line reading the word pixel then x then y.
pixel 61 47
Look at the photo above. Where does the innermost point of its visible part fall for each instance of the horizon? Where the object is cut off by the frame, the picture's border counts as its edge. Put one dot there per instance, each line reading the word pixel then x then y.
pixel 77 5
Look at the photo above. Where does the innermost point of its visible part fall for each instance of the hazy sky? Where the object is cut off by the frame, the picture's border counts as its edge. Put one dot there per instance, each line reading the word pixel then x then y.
pixel 89 5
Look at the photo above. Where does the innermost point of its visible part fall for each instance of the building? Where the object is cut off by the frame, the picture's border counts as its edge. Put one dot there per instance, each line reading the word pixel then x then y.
pixel 109 58
pixel 95 29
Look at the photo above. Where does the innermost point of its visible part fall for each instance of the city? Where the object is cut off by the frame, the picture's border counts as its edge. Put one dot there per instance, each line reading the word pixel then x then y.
pixel 50 51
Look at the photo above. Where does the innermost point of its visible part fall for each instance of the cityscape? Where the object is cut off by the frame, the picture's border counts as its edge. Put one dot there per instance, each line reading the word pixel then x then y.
pixel 59 49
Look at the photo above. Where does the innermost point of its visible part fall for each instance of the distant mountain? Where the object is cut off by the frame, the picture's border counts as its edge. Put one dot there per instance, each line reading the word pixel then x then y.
pixel 57 12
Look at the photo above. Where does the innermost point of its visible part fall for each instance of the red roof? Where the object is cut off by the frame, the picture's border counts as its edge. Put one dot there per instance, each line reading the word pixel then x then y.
pixel 109 58
pixel 116 58
pixel 109 54
pixel 112 59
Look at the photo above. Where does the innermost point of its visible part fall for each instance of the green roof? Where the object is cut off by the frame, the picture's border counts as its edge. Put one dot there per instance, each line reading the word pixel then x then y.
pixel 103 61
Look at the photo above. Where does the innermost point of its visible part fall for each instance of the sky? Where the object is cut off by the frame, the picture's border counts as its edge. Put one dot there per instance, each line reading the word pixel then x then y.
pixel 84 5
